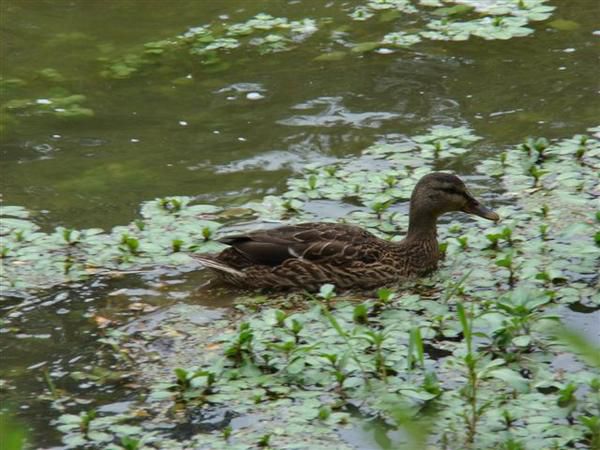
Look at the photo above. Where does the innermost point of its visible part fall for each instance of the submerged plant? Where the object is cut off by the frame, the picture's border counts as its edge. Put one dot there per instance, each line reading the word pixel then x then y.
pixel 241 348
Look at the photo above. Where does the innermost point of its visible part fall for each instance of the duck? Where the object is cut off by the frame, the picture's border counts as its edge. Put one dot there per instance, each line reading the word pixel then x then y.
pixel 306 256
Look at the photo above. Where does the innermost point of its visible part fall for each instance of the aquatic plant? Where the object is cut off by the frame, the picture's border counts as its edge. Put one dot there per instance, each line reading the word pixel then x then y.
pixel 478 353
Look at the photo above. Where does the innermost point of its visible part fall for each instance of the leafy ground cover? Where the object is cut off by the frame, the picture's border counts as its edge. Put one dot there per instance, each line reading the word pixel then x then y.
pixel 473 357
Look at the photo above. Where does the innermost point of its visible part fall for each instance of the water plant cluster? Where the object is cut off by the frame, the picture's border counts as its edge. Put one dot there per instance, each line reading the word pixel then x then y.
pixel 475 356
pixel 167 229
pixel 263 32
pixel 206 46
pixel 501 19
pixel 58 102
pixel 444 367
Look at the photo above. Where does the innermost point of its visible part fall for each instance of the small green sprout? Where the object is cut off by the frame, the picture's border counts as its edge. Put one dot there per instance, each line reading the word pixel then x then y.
pixel 207 233
pixel 289 205
pixel 176 245
pixel 385 295
pixel 86 419
pixel 592 423
pixel 68 264
pixel 380 207
pixel 567 397
pixel 536 147
pixel 431 384
pixel 188 380
pixel 182 378
pixel 327 292
pixel 264 440
pixel 324 413
pixel 360 314
pixel 391 180
pixel 544 231
pixel 129 244
pixel 415 351
pixel 227 431
pixel 280 317
pixel 507 262
pixel 171 205
pixel 66 233
pixel 129 443
pixel 242 345
pixel 330 170
pixel 494 238
pixel 536 173
pixel 503 158
pixel 296 327
pixel 338 365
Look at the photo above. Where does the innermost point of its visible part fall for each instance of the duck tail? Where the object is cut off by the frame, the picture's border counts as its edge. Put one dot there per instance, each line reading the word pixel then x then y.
pixel 211 263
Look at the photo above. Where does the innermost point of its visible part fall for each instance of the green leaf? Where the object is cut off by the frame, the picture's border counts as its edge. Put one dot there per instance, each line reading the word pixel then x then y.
pixel 510 377
pixel 364 47
pixel 453 10
pixel 564 25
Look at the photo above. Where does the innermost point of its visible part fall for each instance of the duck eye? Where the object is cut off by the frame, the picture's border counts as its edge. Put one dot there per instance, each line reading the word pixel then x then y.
pixel 451 190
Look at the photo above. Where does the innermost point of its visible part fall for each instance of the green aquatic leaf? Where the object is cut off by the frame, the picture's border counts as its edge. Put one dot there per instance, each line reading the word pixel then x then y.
pixel 364 47
pixel 331 56
pixel 400 39
pixel 453 10
pixel 13 211
pixel 564 25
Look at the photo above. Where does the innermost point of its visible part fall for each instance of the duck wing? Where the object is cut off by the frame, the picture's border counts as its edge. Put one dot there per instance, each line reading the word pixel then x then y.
pixel 320 242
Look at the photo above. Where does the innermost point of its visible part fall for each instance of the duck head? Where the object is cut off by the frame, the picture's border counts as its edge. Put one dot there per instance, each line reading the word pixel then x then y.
pixel 438 193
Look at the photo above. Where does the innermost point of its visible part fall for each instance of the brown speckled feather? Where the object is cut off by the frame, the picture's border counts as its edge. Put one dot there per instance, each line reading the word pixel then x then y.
pixel 311 254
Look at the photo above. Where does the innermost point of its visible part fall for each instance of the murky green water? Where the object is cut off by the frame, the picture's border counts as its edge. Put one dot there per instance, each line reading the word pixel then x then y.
pixel 184 128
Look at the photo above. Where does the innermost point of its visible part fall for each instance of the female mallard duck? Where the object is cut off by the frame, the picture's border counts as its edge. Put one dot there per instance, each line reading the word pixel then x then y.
pixel 309 255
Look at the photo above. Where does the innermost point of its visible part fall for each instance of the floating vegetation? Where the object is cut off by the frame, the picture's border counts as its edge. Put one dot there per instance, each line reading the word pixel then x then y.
pixel 67 106
pixel 207 46
pixel 339 363
pixel 168 227
pixel 266 33
pixel 498 19
pixel 472 349
pixel 489 28
pixel 400 39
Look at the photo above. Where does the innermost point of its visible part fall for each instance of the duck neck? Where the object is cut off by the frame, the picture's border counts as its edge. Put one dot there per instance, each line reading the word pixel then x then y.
pixel 422 226
pixel 418 252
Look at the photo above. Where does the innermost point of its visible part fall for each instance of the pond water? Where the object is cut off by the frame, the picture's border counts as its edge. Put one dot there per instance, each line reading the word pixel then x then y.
pixel 228 132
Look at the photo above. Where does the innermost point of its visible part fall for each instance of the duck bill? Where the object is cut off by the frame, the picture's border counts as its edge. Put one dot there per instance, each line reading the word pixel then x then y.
pixel 474 207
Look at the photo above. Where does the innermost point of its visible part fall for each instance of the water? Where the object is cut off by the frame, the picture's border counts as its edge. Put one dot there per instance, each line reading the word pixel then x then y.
pixel 183 129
